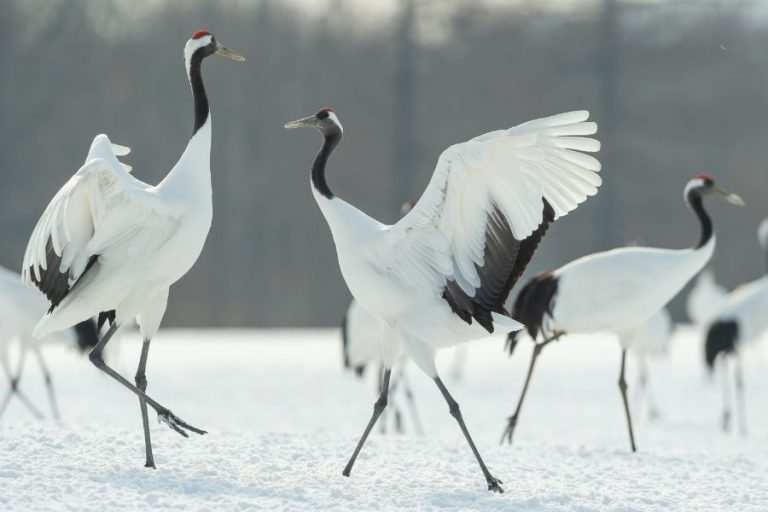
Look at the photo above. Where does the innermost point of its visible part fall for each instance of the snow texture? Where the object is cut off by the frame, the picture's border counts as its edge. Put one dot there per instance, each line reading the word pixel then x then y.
pixel 283 417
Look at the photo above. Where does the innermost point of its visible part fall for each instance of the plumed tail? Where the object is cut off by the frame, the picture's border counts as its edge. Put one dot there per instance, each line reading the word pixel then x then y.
pixel 512 339
pixel 721 339
pixel 535 301
pixel 87 335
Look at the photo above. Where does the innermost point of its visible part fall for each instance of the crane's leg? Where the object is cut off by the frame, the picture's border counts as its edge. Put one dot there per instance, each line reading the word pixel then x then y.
pixel 726 418
pixel 163 413
pixel 740 404
pixel 512 421
pixel 453 407
pixel 623 388
pixel 394 383
pixel 379 384
pixel 13 381
pixel 141 383
pixel 378 407
pixel 48 382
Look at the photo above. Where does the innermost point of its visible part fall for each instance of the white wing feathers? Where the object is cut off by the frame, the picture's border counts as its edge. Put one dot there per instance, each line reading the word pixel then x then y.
pixel 505 174
pixel 101 193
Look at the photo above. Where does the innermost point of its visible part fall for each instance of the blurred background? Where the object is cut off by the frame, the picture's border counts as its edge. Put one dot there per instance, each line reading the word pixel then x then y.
pixel 677 87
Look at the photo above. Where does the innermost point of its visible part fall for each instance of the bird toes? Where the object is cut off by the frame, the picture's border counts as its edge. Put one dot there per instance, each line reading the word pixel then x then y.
pixel 177 424
pixel 493 485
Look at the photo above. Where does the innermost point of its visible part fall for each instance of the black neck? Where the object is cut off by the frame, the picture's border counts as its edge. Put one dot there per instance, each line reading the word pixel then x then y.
pixel 696 204
pixel 318 167
pixel 198 91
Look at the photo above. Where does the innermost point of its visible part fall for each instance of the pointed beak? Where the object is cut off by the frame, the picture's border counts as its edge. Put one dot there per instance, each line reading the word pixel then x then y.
pixel 230 54
pixel 730 197
pixel 301 123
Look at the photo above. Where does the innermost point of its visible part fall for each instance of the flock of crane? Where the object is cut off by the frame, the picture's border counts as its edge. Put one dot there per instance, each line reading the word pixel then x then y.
pixel 109 246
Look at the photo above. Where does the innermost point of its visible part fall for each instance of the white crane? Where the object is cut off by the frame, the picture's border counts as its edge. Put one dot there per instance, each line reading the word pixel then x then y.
pixel 440 275
pixel 650 341
pixel 704 298
pixel 613 291
pixel 741 319
pixel 112 245
pixel 20 309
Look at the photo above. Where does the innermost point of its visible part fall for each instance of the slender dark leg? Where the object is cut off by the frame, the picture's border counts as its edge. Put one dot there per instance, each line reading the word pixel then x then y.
pixel 378 407
pixel 163 413
pixel 453 407
pixel 623 388
pixel 141 383
pixel 13 382
pixel 512 421
pixel 740 404
pixel 726 419
pixel 48 383
pixel 379 387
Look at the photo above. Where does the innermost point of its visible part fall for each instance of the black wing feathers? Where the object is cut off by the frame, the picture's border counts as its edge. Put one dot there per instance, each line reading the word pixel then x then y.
pixel 54 283
pixel 504 262
pixel 533 303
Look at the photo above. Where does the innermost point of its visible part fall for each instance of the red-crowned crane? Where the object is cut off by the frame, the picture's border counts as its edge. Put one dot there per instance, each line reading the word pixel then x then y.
pixel 612 291
pixel 741 319
pixel 440 275
pixel 112 245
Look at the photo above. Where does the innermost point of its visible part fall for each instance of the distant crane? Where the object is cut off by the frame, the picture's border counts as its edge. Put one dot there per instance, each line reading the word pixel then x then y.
pixel 614 291
pixel 440 275
pixel 741 318
pixel 20 309
pixel 112 245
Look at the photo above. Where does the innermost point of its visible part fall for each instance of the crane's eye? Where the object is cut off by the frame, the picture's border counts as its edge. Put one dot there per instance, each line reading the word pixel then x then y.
pixel 322 114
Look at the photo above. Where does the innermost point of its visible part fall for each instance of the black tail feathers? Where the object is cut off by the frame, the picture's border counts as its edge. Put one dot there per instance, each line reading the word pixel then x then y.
pixel 87 335
pixel 533 303
pixel 721 338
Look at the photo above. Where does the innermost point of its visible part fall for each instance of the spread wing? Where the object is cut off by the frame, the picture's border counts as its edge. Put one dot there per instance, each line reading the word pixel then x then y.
pixel 101 207
pixel 487 206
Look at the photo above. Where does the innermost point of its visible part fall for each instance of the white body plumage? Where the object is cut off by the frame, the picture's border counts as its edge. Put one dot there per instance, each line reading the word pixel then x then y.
pixel 398 272
pixel 146 237
pixel 619 290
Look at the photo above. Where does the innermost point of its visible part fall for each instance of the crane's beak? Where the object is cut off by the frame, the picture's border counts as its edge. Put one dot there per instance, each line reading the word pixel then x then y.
pixel 230 54
pixel 301 123
pixel 730 197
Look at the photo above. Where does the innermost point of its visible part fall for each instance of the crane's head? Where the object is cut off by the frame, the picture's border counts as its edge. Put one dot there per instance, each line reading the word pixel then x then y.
pixel 703 185
pixel 203 44
pixel 324 120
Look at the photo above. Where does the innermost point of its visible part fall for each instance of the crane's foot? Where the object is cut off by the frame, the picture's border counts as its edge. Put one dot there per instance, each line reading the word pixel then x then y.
pixel 493 484
pixel 509 431
pixel 177 424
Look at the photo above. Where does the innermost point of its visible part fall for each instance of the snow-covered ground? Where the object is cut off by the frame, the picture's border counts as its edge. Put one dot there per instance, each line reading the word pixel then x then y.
pixel 283 418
